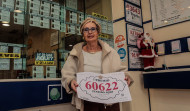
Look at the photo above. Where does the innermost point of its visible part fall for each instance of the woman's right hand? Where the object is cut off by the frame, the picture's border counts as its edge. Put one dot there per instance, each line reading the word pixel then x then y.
pixel 74 85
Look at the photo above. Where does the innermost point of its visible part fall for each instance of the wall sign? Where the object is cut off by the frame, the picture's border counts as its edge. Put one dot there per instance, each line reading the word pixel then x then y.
pixel 134 60
pixel 132 34
pixel 168 12
pixel 120 41
pixel 44 59
pixel 133 14
pixel 122 53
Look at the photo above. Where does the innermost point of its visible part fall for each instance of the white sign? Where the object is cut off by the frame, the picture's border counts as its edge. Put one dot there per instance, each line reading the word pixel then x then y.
pixel 167 12
pixel 132 33
pixel 134 60
pixel 133 14
pixel 103 88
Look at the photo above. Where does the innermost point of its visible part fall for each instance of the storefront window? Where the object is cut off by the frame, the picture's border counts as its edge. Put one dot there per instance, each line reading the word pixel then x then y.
pixel 36 36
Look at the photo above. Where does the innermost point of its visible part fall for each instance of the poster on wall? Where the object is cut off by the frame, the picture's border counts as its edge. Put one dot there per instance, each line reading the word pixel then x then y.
pixel 161 49
pixel 44 59
pixel 50 71
pixel 176 46
pixel 122 53
pixel 120 41
pixel 4 63
pixel 168 12
pixel 38 71
pixel 137 2
pixel 132 34
pixel 133 14
pixel 134 60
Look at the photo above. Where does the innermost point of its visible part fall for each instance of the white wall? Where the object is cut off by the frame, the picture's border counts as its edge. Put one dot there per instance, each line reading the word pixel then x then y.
pixel 168 99
pixel 161 99
pixel 139 94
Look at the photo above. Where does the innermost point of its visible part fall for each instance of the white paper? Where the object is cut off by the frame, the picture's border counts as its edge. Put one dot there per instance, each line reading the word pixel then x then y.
pixel 176 46
pixel 103 88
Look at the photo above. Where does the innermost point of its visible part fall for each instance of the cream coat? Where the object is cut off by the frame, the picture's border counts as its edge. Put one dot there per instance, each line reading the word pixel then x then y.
pixel 75 63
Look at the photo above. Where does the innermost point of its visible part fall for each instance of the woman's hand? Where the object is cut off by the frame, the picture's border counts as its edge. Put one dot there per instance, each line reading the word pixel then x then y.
pixel 128 80
pixel 74 85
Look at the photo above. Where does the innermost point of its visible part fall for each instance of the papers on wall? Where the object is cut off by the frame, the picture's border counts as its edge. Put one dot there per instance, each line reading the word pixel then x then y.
pixel 55 24
pixel 45 9
pixel 133 14
pixel 19 5
pixel 55 11
pixel 19 18
pixel 4 63
pixel 44 22
pixel 134 60
pixel 38 71
pixel 132 34
pixel 4 15
pixel 104 26
pixel 73 17
pixel 50 71
pixel 34 21
pixel 71 29
pixel 176 46
pixel 8 4
pixel 34 7
pixel 161 49
pixel 110 28
pixel 71 4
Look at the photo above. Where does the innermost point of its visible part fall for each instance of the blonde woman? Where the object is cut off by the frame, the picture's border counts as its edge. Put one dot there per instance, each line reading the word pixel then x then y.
pixel 93 55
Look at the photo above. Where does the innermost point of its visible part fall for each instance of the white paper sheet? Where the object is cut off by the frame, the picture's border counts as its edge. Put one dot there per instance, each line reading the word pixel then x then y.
pixel 103 88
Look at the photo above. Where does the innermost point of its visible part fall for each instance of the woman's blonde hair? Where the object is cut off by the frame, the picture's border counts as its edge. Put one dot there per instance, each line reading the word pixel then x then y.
pixel 88 20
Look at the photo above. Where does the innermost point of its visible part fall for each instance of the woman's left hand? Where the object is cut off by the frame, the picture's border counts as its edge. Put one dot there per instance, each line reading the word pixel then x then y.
pixel 128 80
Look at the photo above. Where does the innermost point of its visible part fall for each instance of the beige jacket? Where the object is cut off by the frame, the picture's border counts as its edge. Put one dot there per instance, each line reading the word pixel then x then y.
pixel 75 63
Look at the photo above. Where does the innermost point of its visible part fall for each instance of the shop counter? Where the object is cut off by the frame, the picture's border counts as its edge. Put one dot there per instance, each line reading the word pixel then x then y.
pixel 26 93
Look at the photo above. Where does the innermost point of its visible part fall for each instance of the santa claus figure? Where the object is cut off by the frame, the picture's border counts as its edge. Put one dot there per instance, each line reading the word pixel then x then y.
pixel 147 51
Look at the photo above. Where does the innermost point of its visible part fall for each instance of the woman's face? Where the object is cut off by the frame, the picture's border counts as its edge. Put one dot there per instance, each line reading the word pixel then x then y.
pixel 90 32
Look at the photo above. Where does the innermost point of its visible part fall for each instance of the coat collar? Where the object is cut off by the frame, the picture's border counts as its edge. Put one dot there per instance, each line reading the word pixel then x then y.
pixel 77 49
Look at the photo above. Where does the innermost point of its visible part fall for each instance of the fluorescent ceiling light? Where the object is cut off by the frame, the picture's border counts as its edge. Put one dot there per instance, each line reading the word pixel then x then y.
pixel 17 11
pixel 5 24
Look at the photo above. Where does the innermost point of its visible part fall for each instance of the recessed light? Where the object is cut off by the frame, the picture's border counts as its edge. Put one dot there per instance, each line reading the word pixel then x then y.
pixel 17 11
pixel 5 22
pixel 70 45
pixel 6 25
pixel 165 21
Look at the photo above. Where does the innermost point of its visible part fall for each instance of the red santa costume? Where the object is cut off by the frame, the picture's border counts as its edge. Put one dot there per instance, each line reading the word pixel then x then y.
pixel 148 52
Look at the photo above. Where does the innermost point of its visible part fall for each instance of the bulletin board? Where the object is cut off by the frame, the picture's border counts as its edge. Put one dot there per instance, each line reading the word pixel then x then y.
pixel 169 12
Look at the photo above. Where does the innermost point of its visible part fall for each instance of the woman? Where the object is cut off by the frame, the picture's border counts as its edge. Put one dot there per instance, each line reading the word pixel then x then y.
pixel 93 55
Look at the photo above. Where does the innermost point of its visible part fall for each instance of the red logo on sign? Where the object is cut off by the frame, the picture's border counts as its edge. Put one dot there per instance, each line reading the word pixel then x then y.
pixel 119 41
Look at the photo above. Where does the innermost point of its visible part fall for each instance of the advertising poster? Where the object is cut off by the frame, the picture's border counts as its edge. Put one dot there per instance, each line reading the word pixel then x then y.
pixel 103 88
pixel 120 41
pixel 38 71
pixel 44 59
pixel 161 49
pixel 4 63
pixel 176 46
pixel 50 71
pixel 134 60
pixel 168 12
pixel 132 34
pixel 133 14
